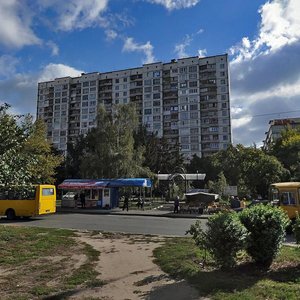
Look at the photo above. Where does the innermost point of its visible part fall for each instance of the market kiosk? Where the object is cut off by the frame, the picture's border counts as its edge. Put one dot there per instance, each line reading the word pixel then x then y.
pixel 99 193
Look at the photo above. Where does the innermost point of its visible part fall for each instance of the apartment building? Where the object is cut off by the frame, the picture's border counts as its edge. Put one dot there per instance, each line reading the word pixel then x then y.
pixel 276 127
pixel 186 100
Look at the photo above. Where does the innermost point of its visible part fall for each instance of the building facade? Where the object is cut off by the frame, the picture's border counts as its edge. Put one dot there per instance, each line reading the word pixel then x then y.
pixel 276 127
pixel 186 100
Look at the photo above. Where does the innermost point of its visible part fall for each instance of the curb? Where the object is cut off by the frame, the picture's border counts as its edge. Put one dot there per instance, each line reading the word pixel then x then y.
pixel 108 212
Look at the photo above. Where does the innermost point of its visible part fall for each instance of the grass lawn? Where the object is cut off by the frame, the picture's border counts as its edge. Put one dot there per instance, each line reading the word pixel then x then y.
pixel 182 259
pixel 36 262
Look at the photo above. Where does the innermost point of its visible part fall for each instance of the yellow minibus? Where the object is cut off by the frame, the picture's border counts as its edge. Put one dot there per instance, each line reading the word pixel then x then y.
pixel 32 201
pixel 287 195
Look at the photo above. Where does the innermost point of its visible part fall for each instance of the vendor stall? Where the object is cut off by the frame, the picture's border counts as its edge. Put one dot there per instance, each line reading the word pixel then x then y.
pixel 101 193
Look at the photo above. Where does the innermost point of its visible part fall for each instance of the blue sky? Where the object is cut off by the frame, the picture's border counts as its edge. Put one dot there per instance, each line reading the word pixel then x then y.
pixel 44 39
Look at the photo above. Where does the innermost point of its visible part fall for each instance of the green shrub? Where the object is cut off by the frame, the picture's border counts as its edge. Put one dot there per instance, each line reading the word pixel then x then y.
pixel 224 237
pixel 296 229
pixel 266 225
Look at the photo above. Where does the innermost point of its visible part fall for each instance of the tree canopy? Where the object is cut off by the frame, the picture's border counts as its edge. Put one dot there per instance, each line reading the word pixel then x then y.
pixel 109 150
pixel 287 150
pixel 25 154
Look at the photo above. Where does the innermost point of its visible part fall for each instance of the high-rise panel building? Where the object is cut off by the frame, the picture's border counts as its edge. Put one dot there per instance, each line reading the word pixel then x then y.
pixel 186 100
pixel 276 128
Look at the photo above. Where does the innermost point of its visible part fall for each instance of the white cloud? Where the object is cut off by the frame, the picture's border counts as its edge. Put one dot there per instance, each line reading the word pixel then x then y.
pixel 131 46
pixel 15 29
pixel 7 65
pixel 202 52
pixel 180 49
pixel 54 48
pixel 265 72
pixel 111 34
pixel 77 14
pixel 52 71
pixel 175 4
pixel 280 26
pixel 20 90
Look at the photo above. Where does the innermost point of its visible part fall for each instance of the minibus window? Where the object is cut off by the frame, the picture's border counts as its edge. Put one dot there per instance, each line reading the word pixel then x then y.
pixel 48 191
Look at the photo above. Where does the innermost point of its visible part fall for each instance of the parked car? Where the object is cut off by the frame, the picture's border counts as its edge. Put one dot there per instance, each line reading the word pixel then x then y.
pixel 69 196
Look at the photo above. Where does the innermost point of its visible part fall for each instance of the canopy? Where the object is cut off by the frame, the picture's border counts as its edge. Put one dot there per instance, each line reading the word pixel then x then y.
pixel 73 184
pixel 200 197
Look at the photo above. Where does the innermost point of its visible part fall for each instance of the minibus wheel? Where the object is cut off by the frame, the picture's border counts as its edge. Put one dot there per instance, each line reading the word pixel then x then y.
pixel 10 214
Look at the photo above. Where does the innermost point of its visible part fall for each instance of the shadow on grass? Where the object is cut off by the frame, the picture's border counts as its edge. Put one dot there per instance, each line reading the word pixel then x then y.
pixel 62 295
pixel 241 278
pixel 174 291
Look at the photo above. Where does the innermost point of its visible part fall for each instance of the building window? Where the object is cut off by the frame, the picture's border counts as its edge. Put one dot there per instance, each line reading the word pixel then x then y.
pixel 225 137
pixel 194 115
pixel 156 81
pixel 147 111
pixel 148 89
pixel 147 82
pixel 222 66
pixel 192 76
pixel 156 74
pixel 156 96
pixel 193 84
pixel 84 84
pixel 193 69
pixel 194 107
pixel 93 83
pixel 222 73
pixel 85 97
pixel 223 81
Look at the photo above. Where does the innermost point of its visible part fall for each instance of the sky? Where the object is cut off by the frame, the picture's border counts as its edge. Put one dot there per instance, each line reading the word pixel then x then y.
pixel 45 39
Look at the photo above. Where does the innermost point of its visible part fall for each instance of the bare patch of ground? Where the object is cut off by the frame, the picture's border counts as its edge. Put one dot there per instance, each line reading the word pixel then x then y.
pixel 126 266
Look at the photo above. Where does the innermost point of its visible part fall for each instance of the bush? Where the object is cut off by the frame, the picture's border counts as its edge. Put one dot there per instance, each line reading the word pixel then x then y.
pixel 224 237
pixel 266 225
pixel 296 229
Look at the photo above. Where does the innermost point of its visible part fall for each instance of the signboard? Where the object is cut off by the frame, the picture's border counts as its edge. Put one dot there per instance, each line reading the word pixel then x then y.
pixel 230 190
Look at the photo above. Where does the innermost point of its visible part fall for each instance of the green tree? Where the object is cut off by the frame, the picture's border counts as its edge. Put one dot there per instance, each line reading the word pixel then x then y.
pixel 219 185
pixel 39 150
pixel 25 154
pixel 250 168
pixel 287 150
pixel 110 151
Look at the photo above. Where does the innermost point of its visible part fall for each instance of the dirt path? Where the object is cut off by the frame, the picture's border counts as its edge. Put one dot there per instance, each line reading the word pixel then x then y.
pixel 126 266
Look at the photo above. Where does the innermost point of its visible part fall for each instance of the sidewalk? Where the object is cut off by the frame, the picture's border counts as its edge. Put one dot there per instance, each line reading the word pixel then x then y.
pixel 133 212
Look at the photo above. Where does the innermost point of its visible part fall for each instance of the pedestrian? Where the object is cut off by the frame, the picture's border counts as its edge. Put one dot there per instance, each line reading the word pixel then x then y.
pixel 139 202
pixel 142 203
pixel 76 200
pixel 126 203
pixel 82 199
pixel 176 205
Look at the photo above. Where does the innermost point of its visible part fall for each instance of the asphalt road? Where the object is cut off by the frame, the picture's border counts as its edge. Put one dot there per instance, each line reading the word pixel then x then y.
pixel 111 223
